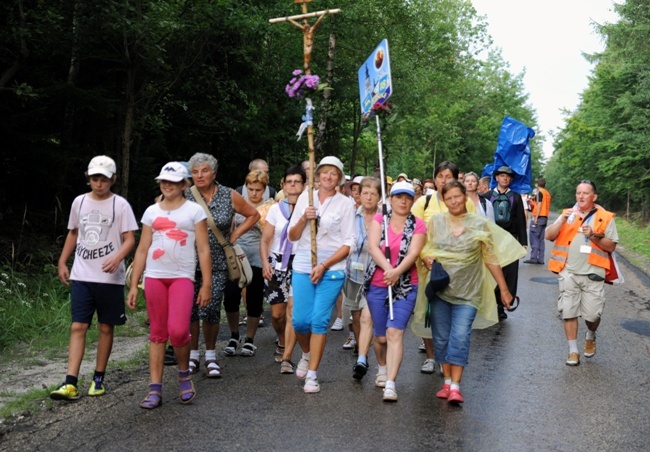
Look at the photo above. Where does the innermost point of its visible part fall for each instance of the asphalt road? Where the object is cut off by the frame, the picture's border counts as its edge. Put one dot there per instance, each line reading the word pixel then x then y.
pixel 519 394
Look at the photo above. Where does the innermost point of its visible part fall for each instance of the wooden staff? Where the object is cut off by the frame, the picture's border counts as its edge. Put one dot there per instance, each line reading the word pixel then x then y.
pixel 308 45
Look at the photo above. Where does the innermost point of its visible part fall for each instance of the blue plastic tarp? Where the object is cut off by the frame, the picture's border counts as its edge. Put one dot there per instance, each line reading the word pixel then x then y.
pixel 513 150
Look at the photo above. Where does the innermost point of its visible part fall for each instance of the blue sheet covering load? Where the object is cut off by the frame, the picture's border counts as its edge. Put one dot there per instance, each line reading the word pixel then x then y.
pixel 513 150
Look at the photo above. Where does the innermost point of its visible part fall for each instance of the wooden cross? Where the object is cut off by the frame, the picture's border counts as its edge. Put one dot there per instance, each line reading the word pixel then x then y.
pixel 308 45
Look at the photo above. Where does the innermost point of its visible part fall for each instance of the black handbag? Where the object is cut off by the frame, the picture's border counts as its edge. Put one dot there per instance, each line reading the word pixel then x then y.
pixel 439 280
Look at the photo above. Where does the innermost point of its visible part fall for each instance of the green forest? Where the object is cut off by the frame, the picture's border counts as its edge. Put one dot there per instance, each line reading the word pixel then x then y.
pixel 149 82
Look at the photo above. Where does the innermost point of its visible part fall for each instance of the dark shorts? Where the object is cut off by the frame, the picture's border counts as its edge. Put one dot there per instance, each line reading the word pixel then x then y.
pixel 106 299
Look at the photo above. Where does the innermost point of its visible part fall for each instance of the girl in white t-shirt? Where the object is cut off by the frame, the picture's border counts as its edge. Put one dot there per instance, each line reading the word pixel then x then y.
pixel 170 230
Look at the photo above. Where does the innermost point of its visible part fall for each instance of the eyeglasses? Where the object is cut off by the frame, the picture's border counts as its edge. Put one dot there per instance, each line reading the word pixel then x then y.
pixel 293 182
pixel 587 181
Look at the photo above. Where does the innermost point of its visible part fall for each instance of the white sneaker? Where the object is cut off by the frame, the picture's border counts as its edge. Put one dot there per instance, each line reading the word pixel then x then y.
pixel 302 368
pixel 390 395
pixel 311 386
pixel 380 380
pixel 428 366
pixel 350 343
pixel 337 325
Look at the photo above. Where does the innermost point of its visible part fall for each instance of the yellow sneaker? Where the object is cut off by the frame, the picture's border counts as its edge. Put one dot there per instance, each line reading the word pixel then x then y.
pixel 65 392
pixel 97 389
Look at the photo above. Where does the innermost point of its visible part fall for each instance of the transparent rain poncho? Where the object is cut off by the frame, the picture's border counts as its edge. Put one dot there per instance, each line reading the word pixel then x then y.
pixel 463 245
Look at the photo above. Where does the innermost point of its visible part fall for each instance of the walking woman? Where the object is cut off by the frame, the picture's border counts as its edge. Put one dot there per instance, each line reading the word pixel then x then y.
pixel 472 250
pixel 222 202
pixel 277 253
pixel 256 183
pixel 170 230
pixel 483 205
pixel 317 288
pixel 353 297
pixel 425 208
pixel 406 238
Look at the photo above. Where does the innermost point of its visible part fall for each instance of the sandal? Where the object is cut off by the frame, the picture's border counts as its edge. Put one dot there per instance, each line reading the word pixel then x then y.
pixel 194 365
pixel 188 385
pixel 287 367
pixel 153 400
pixel 231 348
pixel 278 353
pixel 248 349
pixel 213 368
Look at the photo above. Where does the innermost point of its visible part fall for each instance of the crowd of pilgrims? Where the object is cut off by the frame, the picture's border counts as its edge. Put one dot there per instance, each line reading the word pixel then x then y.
pixel 375 294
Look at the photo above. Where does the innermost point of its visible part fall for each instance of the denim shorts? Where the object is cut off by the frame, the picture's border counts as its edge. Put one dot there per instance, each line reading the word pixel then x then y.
pixel 451 328
pixel 379 311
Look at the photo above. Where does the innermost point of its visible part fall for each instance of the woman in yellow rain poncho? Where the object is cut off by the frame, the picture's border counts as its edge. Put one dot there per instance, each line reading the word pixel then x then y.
pixel 472 250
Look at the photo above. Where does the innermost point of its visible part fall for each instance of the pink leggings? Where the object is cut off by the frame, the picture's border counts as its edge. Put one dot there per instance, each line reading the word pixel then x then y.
pixel 169 304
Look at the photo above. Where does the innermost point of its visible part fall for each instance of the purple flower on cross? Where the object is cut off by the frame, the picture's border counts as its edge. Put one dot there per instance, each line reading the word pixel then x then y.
pixel 301 85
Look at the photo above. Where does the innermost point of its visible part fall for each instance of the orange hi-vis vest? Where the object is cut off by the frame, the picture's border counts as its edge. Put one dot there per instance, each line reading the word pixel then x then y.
pixel 545 206
pixel 597 257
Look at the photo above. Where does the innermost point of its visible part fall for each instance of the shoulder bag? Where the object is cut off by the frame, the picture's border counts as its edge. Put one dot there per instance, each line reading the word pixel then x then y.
pixel 239 268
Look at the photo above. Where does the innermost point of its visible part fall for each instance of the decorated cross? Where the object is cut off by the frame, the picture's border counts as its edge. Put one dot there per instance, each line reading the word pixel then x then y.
pixel 308 31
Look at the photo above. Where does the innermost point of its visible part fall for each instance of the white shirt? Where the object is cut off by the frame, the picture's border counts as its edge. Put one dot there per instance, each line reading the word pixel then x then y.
pixel 172 253
pixel 275 218
pixel 335 229
pixel 101 225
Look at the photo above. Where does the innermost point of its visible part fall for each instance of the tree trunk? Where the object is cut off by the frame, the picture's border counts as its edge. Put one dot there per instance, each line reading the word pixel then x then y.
pixel 322 121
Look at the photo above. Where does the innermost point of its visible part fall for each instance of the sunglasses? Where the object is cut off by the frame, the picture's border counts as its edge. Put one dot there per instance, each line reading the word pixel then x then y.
pixel 587 181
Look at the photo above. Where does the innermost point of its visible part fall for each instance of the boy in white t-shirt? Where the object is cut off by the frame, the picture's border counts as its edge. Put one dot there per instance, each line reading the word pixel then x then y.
pixel 100 235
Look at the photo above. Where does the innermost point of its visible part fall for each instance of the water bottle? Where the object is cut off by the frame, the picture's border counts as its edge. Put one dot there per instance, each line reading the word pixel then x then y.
pixel 574 212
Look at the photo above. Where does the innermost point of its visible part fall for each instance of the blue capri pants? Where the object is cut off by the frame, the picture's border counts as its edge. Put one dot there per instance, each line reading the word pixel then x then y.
pixel 379 311
pixel 313 303
pixel 451 327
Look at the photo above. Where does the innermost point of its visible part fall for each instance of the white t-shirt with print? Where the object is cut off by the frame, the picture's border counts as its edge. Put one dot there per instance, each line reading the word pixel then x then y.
pixel 172 253
pixel 100 225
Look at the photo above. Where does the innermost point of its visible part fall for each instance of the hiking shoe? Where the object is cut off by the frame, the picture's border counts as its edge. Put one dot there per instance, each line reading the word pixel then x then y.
pixel 359 370
pixel 337 325
pixel 455 396
pixel 590 347
pixel 303 367
pixel 380 380
pixel 97 388
pixel 311 386
pixel 390 395
pixel 350 343
pixel 65 392
pixel 428 366
pixel 231 348
pixel 573 359
pixel 248 349
pixel 444 392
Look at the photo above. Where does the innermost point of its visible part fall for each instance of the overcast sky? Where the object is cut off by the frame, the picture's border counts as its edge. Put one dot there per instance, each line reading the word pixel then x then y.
pixel 547 38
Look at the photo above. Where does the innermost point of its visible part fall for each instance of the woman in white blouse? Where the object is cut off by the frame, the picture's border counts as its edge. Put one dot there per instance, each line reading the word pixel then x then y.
pixel 317 288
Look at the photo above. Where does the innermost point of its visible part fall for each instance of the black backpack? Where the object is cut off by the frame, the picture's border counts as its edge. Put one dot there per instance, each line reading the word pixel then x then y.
pixel 503 204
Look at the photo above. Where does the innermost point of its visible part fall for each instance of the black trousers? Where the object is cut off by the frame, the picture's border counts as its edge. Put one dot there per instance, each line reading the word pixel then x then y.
pixel 511 274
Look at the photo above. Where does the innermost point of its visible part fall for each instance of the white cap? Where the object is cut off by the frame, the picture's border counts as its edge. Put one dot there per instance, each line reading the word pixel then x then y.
pixel 102 165
pixel 404 176
pixel 335 162
pixel 173 172
pixel 357 180
pixel 402 187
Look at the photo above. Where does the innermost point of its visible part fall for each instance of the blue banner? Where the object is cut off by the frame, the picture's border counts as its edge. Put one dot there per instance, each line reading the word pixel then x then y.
pixel 375 85
pixel 513 150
